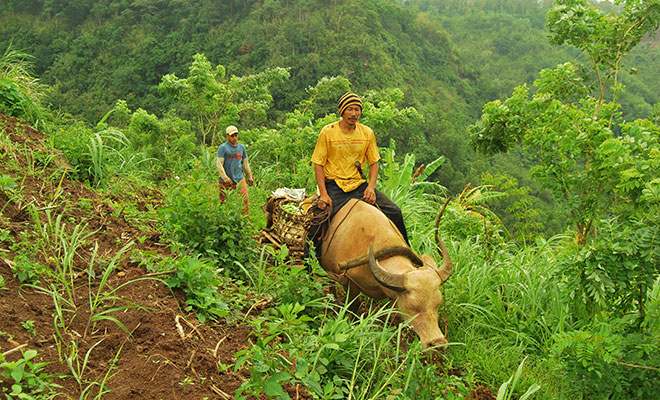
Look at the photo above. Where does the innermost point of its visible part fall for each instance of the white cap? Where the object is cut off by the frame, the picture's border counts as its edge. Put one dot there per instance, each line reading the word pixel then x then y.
pixel 231 129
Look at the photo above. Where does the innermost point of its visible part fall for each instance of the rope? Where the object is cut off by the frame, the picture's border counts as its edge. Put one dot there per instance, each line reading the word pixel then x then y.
pixel 314 215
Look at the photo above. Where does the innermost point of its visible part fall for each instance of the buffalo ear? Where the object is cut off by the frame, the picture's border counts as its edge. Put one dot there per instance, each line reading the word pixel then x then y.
pixel 444 272
pixel 387 279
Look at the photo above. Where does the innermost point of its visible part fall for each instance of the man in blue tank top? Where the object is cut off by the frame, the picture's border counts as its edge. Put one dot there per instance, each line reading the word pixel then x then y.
pixel 233 166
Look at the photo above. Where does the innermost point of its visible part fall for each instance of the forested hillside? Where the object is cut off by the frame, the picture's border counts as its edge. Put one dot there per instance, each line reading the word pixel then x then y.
pixel 447 57
pixel 122 275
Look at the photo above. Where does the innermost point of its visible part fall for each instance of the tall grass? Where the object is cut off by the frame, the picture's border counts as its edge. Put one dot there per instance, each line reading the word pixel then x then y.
pixel 20 92
pixel 505 308
pixel 110 154
pixel 60 246
pixel 337 356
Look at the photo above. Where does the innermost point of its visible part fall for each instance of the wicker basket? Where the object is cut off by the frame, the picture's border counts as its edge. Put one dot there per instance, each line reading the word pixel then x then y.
pixel 287 224
pixel 290 223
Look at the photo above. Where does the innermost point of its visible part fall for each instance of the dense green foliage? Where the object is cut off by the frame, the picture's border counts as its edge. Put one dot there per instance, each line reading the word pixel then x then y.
pixel 446 57
pixel 194 218
pixel 581 308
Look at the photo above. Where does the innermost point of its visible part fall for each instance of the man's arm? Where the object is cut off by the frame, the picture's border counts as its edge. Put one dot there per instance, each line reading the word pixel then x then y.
pixel 324 199
pixel 247 171
pixel 219 162
pixel 370 191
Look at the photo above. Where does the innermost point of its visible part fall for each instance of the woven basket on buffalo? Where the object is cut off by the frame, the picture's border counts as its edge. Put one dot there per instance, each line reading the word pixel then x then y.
pixel 287 224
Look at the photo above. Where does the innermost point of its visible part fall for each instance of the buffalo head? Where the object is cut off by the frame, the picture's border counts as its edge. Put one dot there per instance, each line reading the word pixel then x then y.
pixel 417 293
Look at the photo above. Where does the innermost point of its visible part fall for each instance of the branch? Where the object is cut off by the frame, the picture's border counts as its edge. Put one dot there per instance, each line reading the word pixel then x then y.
pixel 601 88
pixel 14 349
pixel 619 56
pixel 637 366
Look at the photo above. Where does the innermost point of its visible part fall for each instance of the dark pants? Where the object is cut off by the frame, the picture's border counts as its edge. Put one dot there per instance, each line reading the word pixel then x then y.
pixel 340 198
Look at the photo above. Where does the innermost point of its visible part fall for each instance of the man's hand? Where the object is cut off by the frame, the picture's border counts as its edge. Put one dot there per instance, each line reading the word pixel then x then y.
pixel 324 201
pixel 369 195
pixel 250 181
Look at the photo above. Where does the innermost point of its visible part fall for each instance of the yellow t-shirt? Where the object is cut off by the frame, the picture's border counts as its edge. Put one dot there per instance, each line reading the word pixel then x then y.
pixel 337 152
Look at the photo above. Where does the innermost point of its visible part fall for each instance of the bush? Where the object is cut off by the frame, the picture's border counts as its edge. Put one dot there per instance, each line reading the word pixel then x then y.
pixel 195 218
pixel 24 378
pixel 199 281
pixel 610 361
pixel 20 93
pixel 168 140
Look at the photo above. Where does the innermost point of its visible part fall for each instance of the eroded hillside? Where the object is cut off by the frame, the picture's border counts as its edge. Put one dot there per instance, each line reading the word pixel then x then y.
pixel 163 353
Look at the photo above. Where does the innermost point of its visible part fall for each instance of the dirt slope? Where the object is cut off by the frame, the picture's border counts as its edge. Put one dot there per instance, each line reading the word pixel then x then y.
pixel 155 361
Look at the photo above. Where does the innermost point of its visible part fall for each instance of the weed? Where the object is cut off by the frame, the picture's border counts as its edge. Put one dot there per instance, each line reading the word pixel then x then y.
pixel 102 300
pixel 27 269
pixel 76 365
pixel 7 183
pixel 85 204
pixel 195 218
pixel 338 358
pixel 507 388
pixel 29 327
pixel 277 277
pixel 78 368
pixel 20 93
pixel 199 281
pixel 59 246
pixel 5 235
pixel 187 381
pixel 26 378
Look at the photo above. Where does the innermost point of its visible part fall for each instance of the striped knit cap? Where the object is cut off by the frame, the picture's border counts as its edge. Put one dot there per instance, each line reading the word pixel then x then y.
pixel 349 99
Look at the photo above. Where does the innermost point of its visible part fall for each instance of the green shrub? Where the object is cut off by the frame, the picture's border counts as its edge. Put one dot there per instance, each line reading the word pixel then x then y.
pixel 11 98
pixel 276 276
pixel 613 272
pixel 101 153
pixel 199 281
pixel 195 218
pixel 27 269
pixel 168 140
pixel 72 138
pixel 609 360
pixel 20 93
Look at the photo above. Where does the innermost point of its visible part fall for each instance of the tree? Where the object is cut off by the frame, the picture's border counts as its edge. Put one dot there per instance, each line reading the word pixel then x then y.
pixel 216 101
pixel 564 124
pixel 604 170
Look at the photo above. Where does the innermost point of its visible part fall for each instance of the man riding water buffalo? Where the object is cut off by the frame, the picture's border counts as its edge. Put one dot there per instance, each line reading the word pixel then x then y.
pixel 365 246
pixel 341 149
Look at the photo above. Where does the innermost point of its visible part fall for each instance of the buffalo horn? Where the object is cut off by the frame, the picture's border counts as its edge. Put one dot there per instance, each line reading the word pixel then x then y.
pixel 385 278
pixel 444 272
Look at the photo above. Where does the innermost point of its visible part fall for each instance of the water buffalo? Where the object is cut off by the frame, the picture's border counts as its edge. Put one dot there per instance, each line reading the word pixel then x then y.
pixel 363 250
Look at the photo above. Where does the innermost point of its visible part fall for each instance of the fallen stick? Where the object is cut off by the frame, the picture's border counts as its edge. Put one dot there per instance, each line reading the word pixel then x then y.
pixel 258 303
pixel 191 358
pixel 14 349
pixel 215 351
pixel 220 392
pixel 179 328
pixel 159 273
